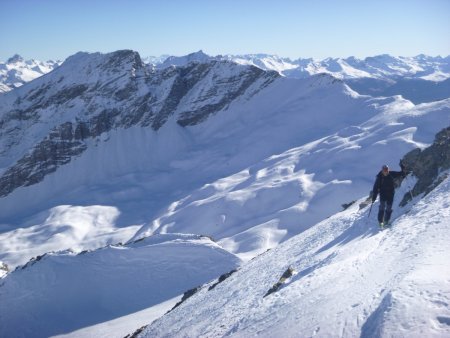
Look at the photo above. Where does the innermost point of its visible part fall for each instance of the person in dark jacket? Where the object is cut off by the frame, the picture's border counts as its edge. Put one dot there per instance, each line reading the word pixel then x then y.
pixel 385 186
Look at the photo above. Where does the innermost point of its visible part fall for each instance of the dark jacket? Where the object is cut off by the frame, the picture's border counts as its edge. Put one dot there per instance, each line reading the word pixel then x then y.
pixel 385 185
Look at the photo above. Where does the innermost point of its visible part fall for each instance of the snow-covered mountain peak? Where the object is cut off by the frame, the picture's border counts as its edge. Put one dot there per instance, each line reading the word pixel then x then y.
pixel 178 61
pixel 16 71
pixel 95 65
pixel 15 59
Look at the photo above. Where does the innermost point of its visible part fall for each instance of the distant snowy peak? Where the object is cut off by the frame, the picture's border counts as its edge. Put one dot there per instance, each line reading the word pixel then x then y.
pixel 16 71
pixel 14 59
pixel 184 60
pixel 383 66
pixel 263 61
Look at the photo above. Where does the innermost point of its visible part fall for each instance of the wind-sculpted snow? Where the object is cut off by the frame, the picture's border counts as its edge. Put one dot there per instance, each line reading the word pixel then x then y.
pixel 349 280
pixel 66 293
pixel 266 203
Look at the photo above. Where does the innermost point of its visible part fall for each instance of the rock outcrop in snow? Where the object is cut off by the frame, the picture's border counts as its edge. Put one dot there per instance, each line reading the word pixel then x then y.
pixel 429 165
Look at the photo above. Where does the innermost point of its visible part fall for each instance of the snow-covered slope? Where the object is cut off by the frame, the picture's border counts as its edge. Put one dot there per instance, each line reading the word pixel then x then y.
pixel 347 279
pixel 108 292
pixel 266 158
pixel 16 71
pixel 106 149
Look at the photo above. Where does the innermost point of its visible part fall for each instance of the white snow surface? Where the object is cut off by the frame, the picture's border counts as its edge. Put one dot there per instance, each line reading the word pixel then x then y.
pixel 109 292
pixel 350 280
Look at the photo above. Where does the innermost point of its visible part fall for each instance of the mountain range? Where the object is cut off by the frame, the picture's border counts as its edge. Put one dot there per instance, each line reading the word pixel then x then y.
pixel 112 166
pixel 420 78
pixel 16 71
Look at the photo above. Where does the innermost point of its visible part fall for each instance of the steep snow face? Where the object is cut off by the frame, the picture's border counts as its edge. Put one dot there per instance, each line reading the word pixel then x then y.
pixel 16 71
pixel 87 294
pixel 347 279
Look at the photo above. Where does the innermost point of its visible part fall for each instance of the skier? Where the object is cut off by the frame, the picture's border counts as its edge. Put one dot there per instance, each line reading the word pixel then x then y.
pixel 385 186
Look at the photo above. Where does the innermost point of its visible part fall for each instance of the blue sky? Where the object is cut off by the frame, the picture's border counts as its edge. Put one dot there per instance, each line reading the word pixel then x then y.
pixel 55 29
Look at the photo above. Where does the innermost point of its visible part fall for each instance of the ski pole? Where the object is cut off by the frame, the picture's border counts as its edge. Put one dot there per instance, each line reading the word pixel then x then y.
pixel 409 187
pixel 370 210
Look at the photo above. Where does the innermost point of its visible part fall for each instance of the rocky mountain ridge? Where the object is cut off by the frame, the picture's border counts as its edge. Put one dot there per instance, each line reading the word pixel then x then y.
pixel 91 94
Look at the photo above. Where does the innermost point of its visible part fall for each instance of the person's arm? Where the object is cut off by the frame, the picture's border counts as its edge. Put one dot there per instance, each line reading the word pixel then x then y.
pixel 375 188
pixel 397 174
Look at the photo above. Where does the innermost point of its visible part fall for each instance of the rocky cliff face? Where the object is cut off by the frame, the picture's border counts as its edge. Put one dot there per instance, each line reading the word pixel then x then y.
pixel 47 122
pixel 429 165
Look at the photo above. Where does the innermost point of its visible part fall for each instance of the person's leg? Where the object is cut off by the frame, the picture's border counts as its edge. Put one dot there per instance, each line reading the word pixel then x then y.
pixel 381 210
pixel 389 201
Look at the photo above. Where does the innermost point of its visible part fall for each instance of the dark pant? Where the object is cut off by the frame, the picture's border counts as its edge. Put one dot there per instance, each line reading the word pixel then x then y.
pixel 385 211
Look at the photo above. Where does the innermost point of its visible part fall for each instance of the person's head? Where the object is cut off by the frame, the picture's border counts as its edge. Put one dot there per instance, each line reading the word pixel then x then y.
pixel 385 169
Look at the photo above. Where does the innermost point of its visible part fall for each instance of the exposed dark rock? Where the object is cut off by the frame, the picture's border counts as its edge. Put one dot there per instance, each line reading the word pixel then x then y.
pixel 4 266
pixel 55 150
pixel 222 278
pixel 427 165
pixel 287 274
pixel 345 206
pixel 241 84
pixel 32 261
pixel 136 333
pixel 186 295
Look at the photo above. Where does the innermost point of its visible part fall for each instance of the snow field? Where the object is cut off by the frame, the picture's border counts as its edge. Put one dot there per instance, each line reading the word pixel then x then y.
pixel 351 280
pixel 113 287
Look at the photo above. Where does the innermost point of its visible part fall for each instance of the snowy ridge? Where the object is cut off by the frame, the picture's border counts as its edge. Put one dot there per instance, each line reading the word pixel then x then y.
pixel 350 280
pixel 73 294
